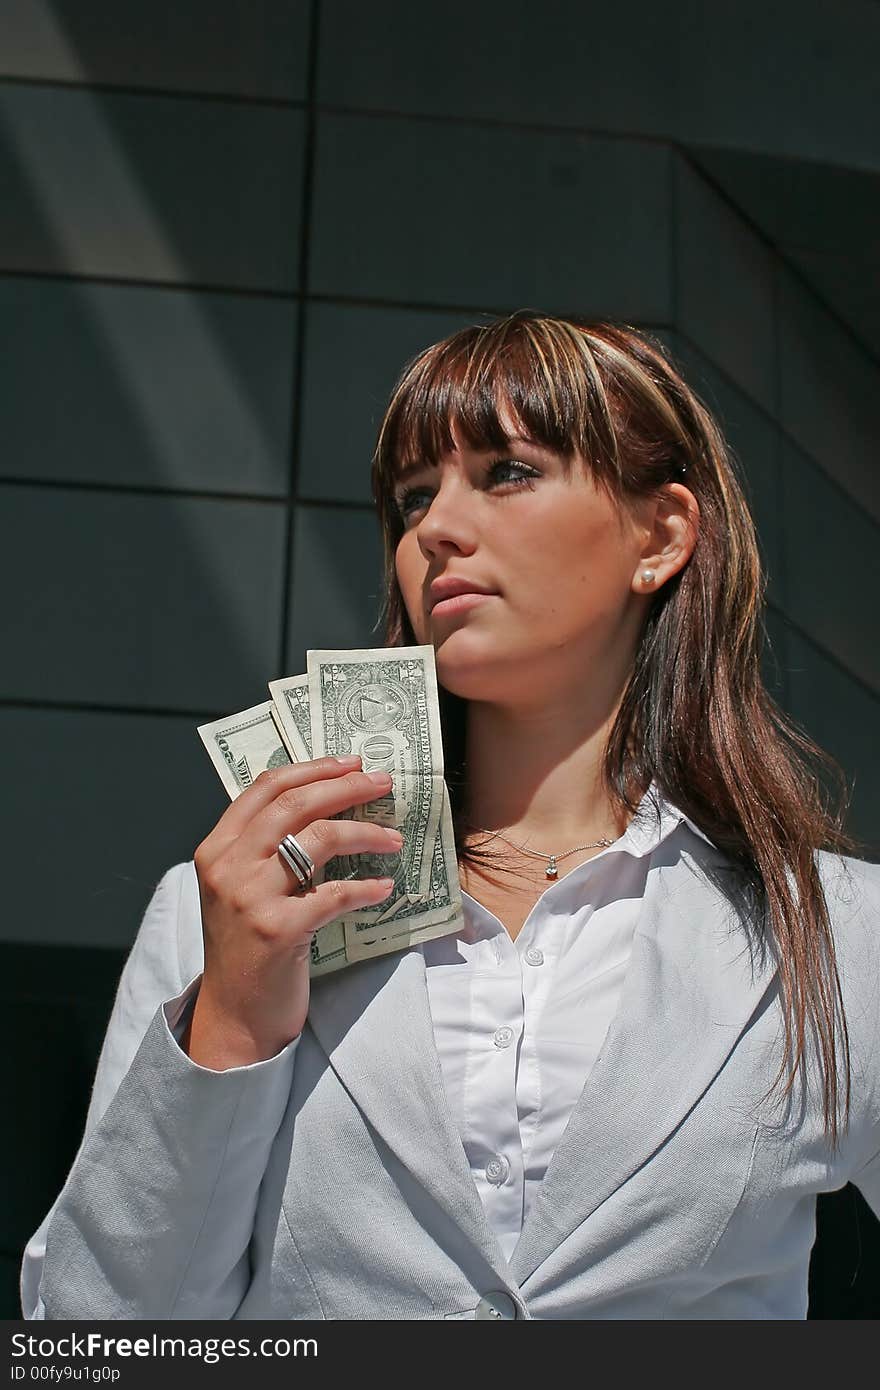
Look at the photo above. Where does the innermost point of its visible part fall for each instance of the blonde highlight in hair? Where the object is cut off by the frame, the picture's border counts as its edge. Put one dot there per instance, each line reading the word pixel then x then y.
pixel 695 715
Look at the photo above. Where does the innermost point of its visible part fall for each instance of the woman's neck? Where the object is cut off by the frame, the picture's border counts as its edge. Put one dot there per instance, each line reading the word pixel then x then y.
pixel 539 774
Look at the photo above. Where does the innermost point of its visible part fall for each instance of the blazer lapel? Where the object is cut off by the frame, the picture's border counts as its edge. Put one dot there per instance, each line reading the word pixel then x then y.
pixel 373 1020
pixel 691 986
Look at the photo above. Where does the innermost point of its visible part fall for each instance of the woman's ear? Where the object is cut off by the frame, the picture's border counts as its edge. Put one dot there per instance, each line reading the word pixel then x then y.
pixel 671 526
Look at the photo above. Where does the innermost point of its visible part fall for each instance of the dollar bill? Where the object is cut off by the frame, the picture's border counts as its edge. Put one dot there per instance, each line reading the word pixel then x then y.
pixel 382 703
pixel 290 698
pixel 241 746
pixel 328 950
pixel 410 918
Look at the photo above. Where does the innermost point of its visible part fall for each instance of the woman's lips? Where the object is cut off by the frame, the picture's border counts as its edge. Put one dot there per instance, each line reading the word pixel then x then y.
pixel 459 603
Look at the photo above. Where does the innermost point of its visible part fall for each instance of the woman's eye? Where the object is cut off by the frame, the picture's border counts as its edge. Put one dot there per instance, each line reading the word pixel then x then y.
pixel 407 501
pixel 500 473
pixel 516 472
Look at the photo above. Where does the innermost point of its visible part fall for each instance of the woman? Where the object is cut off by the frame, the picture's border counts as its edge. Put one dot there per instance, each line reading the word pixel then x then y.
pixel 618 1089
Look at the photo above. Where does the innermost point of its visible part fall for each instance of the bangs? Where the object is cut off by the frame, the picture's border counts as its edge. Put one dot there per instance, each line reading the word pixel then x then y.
pixel 539 373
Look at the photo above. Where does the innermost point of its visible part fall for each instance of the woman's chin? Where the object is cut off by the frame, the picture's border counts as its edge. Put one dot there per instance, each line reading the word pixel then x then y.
pixel 475 674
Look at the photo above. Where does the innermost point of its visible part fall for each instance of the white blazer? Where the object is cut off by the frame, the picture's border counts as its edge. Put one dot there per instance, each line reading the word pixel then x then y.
pixel 676 1191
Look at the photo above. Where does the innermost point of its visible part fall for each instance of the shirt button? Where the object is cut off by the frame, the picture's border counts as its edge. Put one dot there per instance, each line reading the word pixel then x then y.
pixel 503 1037
pixel 495 1305
pixel 534 956
pixel 497 1170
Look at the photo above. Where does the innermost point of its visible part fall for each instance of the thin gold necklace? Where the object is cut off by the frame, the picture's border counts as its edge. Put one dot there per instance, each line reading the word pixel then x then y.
pixel 554 859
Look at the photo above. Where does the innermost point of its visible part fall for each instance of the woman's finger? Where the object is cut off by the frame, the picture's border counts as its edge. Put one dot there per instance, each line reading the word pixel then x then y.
pixel 372 848
pixel 296 807
pixel 306 914
pixel 269 785
pixel 272 897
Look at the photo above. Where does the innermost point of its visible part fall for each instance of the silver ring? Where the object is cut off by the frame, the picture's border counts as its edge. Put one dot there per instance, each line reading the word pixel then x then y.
pixel 296 858
pixel 294 868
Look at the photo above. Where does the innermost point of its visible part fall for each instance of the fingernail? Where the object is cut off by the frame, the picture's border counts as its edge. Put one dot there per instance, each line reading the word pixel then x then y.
pixel 379 779
pixel 348 759
pixel 394 837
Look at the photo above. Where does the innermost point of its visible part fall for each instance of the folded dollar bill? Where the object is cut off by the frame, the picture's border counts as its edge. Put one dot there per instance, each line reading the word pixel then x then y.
pixel 381 703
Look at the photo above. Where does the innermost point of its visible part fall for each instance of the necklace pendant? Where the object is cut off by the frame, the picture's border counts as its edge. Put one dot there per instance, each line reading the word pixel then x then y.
pixel 551 870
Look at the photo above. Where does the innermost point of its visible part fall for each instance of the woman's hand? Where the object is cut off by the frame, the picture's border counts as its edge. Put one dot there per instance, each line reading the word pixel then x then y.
pixel 257 923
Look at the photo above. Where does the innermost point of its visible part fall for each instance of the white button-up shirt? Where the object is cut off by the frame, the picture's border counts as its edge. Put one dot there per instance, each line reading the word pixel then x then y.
pixel 519 1024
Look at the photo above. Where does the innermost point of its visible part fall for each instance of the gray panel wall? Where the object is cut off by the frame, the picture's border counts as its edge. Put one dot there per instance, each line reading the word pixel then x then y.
pixel 224 231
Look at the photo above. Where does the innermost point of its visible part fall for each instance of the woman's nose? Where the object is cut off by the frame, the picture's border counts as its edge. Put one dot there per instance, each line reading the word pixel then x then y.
pixel 449 520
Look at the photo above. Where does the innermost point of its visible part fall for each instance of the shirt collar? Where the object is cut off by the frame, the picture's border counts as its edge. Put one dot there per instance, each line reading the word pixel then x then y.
pixel 656 817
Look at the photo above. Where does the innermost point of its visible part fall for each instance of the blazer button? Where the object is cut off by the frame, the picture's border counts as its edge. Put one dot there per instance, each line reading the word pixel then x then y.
pixel 496 1305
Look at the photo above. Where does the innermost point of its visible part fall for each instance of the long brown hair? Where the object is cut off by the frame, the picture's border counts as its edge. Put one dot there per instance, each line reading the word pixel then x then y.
pixel 695 716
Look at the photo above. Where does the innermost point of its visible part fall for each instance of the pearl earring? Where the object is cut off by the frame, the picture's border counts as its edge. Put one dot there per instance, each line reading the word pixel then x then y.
pixel 647 576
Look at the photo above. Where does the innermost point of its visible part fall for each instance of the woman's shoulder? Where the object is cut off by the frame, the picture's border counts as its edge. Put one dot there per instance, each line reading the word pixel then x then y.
pixel 852 894
pixel 852 887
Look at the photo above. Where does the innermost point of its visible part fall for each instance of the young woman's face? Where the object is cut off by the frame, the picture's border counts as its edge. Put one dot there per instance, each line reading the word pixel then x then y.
pixel 557 562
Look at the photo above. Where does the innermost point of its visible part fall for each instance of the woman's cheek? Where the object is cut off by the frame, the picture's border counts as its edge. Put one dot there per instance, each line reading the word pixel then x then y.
pixel 408 585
